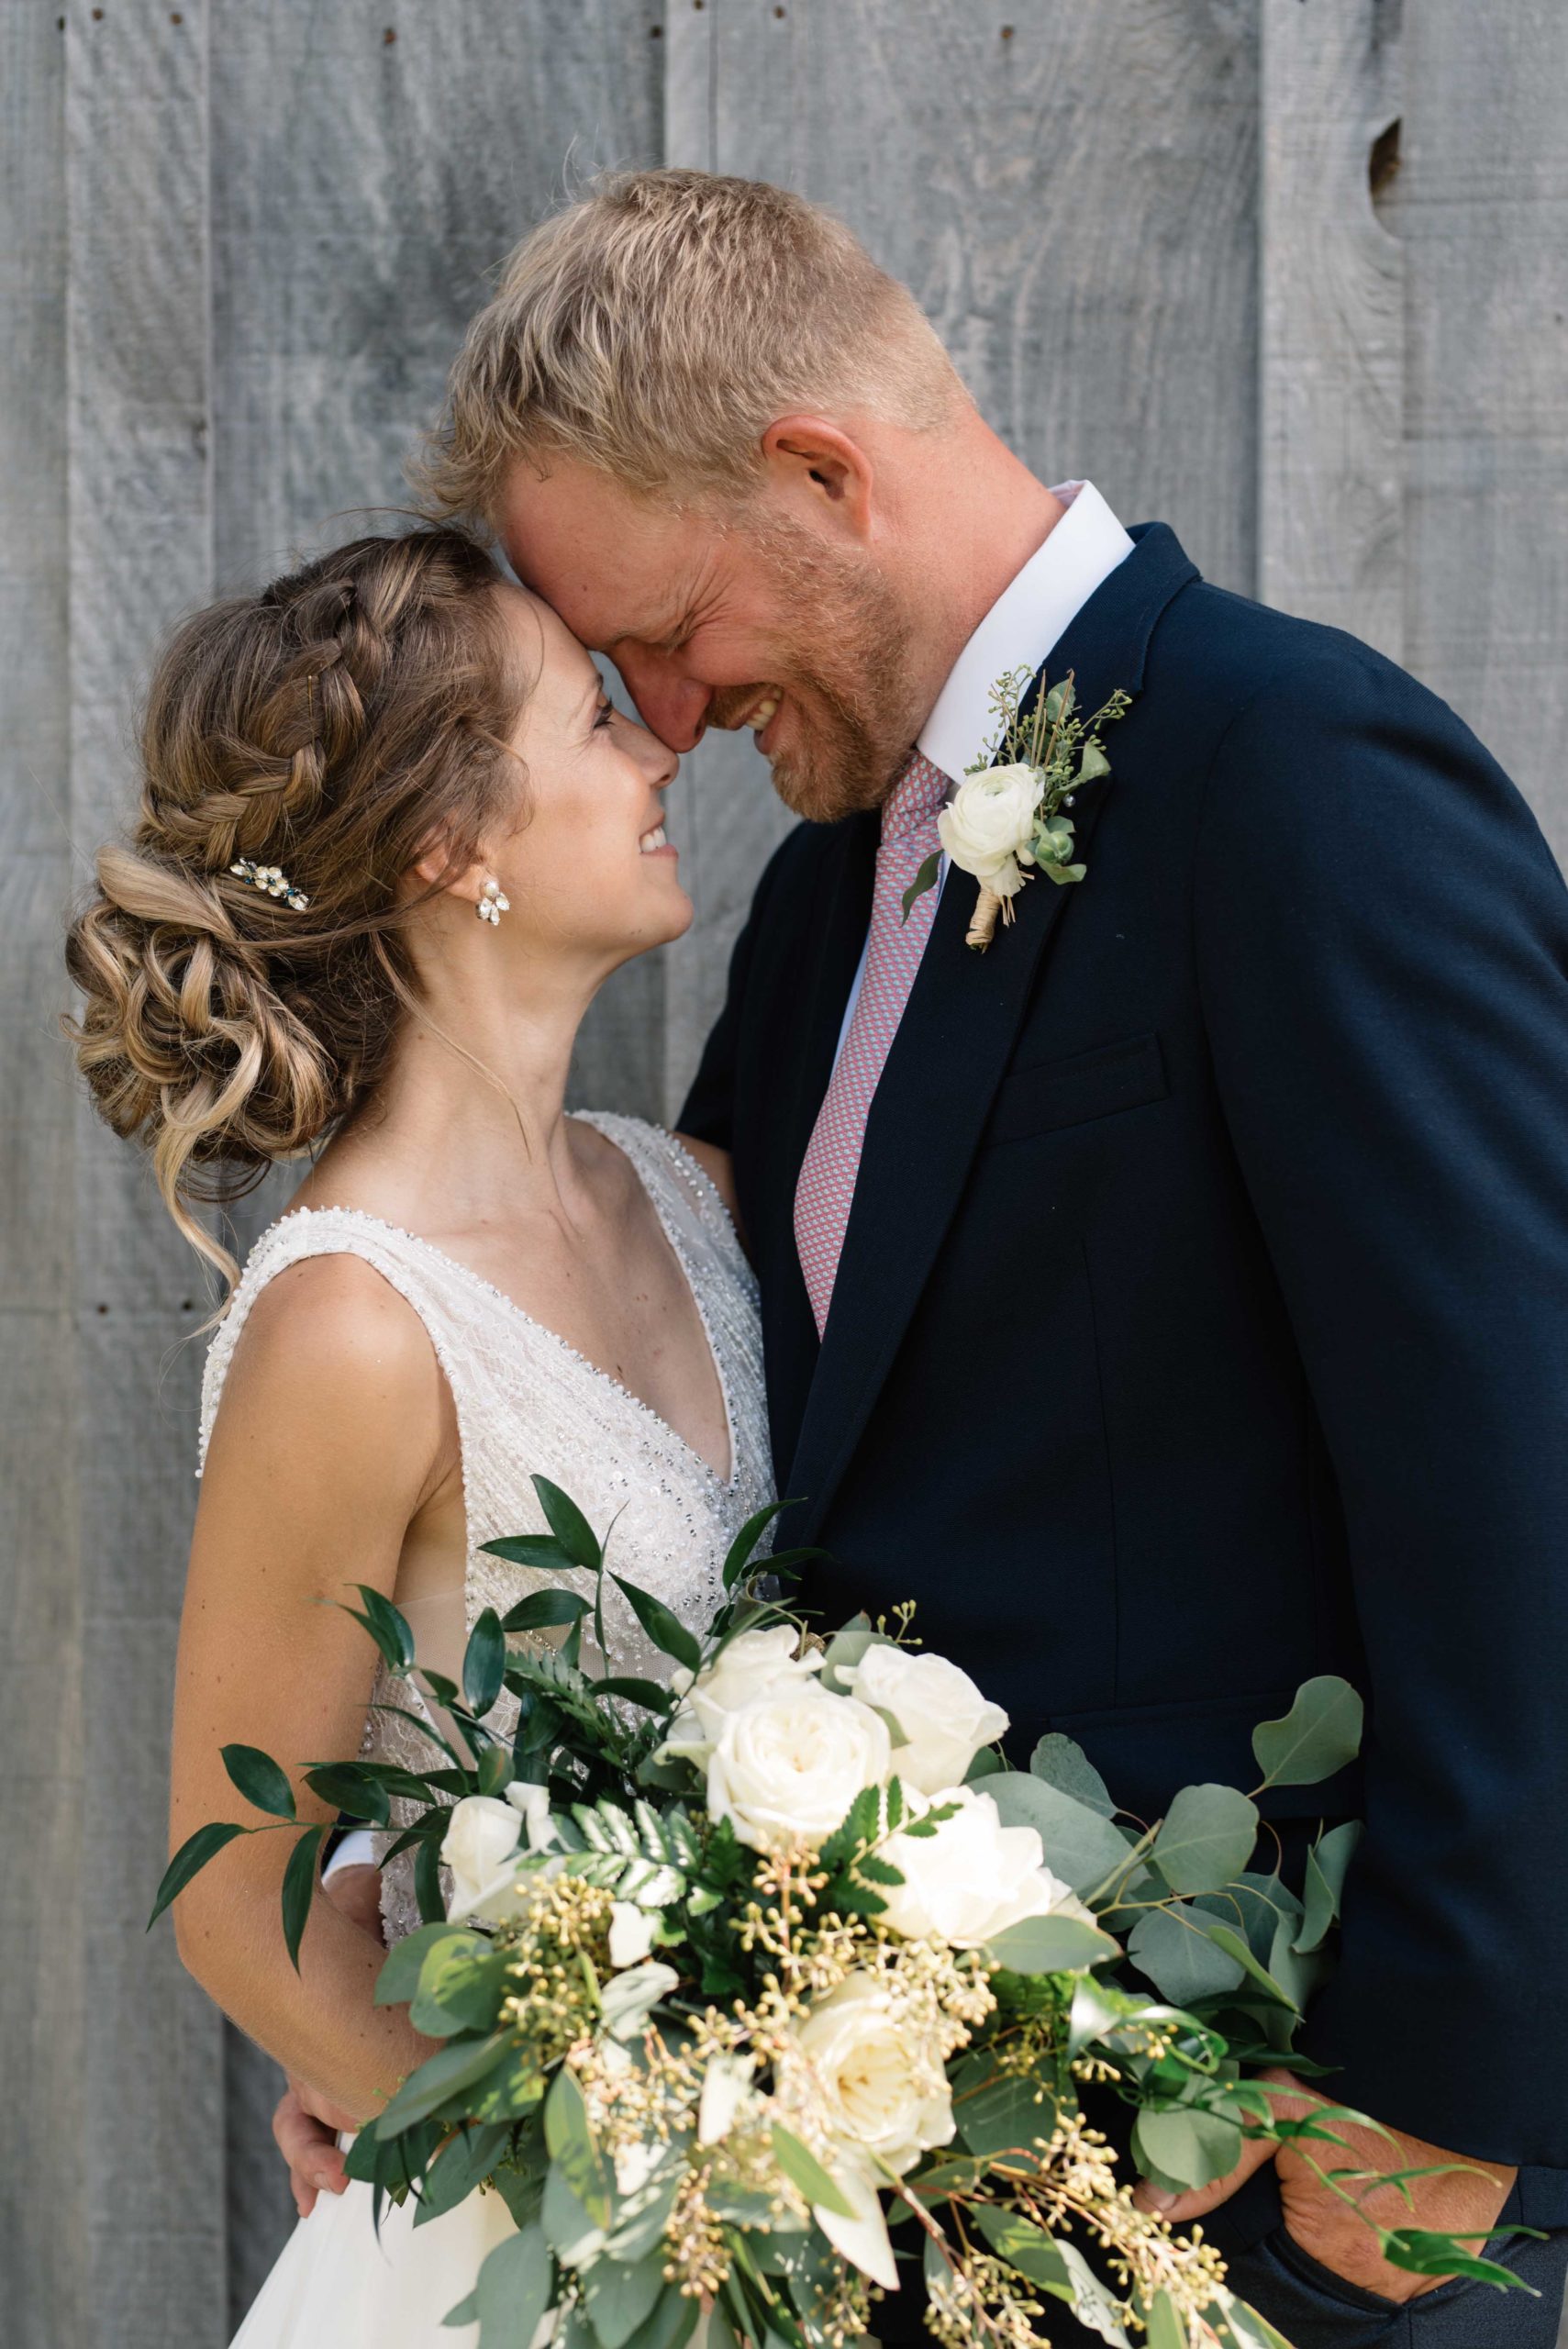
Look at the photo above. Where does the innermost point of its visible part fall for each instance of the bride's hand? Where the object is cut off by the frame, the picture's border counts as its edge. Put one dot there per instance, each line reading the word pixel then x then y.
pixel 305 2124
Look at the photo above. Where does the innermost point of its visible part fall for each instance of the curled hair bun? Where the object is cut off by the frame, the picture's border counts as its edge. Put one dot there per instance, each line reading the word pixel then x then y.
pixel 328 726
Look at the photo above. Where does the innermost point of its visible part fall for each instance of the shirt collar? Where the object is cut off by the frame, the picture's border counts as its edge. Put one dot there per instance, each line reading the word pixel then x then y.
pixel 1024 622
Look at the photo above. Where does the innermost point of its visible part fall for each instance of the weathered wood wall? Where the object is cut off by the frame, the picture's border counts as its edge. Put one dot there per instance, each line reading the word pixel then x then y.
pixel 237 247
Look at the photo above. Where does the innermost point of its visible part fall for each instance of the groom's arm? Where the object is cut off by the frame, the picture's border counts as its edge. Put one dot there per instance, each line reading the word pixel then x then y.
pixel 1382 944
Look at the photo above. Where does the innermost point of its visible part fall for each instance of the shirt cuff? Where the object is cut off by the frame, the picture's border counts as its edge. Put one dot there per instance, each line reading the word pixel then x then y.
pixel 355 1849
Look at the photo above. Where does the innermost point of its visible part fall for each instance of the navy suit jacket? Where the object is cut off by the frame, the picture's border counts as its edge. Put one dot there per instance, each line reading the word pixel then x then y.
pixel 1202 1321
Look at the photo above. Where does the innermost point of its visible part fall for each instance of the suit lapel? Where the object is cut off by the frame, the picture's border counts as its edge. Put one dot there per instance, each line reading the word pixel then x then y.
pixel 948 1058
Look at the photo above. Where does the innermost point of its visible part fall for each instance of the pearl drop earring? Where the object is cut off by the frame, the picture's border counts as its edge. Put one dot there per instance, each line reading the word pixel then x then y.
pixel 493 905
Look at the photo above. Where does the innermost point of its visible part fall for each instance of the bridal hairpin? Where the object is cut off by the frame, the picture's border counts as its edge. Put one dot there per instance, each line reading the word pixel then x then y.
pixel 271 881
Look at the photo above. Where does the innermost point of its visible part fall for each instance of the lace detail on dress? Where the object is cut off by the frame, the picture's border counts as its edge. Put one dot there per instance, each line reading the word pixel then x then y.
pixel 528 1403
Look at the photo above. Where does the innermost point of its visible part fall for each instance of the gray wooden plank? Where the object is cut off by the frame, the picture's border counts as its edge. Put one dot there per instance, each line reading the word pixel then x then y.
pixel 1481 204
pixel 357 216
pixel 43 2209
pixel 139 553
pixel 1071 193
pixel 1331 376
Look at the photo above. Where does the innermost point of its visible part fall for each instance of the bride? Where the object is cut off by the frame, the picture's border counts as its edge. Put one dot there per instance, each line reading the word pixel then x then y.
pixel 392 839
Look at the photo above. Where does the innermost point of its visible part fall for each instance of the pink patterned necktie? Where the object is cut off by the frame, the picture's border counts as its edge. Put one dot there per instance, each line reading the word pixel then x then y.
pixel 827 1184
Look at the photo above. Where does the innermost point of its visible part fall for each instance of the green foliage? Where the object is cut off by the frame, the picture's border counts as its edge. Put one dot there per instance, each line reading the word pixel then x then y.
pixel 442 2076
pixel 1172 1947
pixel 1082 1846
pixel 387 1628
pixel 1320 1734
pixel 1067 1767
pixel 1182 2147
pixel 514 2290
pixel 665 1628
pixel 299 1889
pixel 569 1525
pixel 351 1787
pixel 259 1779
pixel 799 2163
pixel 1206 1839
pixel 484 1663
pixel 191 1858
pixel 998 2113
pixel 1051 1945
pixel 460 1985
pixel 1326 1864
pixel 570 2139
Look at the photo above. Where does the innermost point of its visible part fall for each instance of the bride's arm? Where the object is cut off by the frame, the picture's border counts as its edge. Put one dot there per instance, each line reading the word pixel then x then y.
pixel 335 1433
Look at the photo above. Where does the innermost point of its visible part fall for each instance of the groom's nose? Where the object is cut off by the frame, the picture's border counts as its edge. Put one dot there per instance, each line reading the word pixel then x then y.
pixel 674 707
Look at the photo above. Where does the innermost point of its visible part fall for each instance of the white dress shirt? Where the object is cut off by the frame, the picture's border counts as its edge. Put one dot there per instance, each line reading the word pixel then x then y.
pixel 1018 630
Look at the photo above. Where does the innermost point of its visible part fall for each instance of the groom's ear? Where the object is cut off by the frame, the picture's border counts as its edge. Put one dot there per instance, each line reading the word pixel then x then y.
pixel 817 465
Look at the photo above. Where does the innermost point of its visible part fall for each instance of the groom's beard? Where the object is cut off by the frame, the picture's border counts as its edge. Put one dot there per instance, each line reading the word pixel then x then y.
pixel 844 658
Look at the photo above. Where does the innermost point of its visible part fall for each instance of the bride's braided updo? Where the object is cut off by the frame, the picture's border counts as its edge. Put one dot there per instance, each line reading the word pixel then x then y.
pixel 332 727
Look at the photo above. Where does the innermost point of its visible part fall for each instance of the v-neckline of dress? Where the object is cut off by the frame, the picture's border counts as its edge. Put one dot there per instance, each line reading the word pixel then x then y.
pixel 606 1378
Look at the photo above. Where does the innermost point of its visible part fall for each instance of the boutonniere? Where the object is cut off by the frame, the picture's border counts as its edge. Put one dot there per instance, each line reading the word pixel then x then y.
pixel 1004 822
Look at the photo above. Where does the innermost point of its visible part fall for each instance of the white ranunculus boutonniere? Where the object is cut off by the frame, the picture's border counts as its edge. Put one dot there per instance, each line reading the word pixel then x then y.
pixel 1004 821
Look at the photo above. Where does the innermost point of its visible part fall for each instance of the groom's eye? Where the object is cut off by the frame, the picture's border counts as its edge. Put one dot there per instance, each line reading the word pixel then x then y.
pixel 604 714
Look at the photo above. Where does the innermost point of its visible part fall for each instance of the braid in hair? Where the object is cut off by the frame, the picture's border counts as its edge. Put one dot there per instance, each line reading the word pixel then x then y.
pixel 328 726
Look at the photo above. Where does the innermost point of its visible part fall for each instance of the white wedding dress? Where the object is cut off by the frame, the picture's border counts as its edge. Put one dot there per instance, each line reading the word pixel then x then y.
pixel 527 1403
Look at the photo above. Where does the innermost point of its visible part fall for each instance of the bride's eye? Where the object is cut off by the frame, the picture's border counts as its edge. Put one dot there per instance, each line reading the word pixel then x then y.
pixel 607 711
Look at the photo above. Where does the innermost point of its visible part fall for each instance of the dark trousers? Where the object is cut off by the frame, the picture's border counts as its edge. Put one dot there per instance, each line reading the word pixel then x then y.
pixel 1312 2308
pixel 1315 2309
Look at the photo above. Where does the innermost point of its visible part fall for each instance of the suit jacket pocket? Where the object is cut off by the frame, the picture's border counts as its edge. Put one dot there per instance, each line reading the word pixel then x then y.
pixel 1039 1097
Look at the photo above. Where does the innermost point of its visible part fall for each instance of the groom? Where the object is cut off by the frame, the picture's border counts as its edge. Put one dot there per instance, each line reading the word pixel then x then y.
pixel 1172 1299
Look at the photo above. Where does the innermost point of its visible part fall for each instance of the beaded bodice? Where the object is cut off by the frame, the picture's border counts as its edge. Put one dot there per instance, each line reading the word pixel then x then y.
pixel 528 1404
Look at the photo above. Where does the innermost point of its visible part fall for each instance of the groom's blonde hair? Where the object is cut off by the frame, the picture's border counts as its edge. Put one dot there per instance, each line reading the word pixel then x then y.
pixel 655 328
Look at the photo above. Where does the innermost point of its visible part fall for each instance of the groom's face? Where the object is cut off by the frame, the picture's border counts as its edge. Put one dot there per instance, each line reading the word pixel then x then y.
pixel 753 618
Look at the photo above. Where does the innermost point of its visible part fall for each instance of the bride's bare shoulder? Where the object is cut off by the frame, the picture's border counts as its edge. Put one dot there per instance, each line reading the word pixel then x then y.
pixel 330 1352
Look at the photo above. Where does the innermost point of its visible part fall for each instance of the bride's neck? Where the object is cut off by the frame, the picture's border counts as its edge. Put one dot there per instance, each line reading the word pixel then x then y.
pixel 469 1123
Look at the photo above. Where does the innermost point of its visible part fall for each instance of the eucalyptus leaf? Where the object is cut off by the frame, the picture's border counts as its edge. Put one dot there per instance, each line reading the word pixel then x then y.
pixel 1227 1938
pixel 1178 1956
pixel 1081 1845
pixel 1242 2328
pixel 1320 1734
pixel 1050 1945
pixel 1023 2245
pixel 800 2165
pixel 1327 1862
pixel 514 2290
pixel 996 2111
pixel 1094 2304
pixel 1166 2329
pixel 570 2138
pixel 462 1984
pixel 620 2297
pixel 1205 1838
pixel 1184 2148
pixel 672 2323
pixel 463 2163
pixel 399 1978
pixel 576 2236
pixel 1066 1766
pixel 440 2075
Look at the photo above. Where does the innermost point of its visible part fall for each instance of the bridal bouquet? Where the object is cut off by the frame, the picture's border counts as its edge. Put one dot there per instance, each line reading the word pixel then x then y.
pixel 743 1979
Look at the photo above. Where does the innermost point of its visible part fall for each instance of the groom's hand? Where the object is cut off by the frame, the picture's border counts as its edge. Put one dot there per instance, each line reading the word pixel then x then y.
pixel 1464 2200
pixel 306 2125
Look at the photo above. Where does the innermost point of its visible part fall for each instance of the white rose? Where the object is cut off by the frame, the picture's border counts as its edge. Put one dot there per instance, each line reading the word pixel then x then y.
pixel 988 822
pixel 482 1835
pixel 753 1663
pixel 631 1934
pixel 533 1803
pixel 940 1711
pixel 872 2096
pixel 786 1767
pixel 972 1877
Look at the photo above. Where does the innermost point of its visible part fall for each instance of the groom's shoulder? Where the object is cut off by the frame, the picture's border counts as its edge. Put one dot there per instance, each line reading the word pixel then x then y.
pixel 1228 654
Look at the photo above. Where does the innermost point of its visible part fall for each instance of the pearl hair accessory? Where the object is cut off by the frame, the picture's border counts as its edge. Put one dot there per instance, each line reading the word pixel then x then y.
pixel 493 905
pixel 271 881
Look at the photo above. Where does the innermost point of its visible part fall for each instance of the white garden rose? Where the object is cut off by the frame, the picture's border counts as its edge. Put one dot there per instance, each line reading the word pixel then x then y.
pixel 753 1663
pixel 988 823
pixel 786 1767
pixel 873 2094
pixel 481 1836
pixel 533 1803
pixel 941 1713
pixel 973 1877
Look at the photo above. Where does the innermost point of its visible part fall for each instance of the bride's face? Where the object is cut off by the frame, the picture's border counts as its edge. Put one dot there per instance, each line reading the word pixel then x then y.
pixel 588 869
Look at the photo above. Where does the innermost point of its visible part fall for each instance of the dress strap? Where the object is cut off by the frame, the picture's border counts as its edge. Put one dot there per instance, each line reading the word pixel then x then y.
pixel 682 1190
pixel 404 1262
